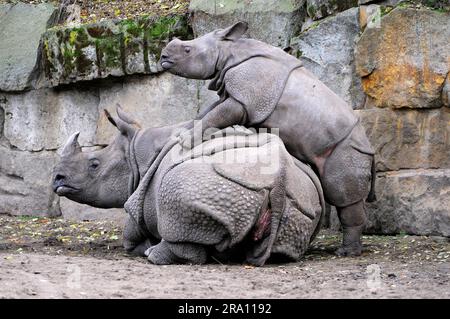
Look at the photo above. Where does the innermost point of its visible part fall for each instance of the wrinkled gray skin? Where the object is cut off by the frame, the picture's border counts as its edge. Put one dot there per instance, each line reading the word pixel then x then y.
pixel 191 210
pixel 264 87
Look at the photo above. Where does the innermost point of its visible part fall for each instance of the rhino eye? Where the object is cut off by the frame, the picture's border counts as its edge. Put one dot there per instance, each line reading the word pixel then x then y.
pixel 187 49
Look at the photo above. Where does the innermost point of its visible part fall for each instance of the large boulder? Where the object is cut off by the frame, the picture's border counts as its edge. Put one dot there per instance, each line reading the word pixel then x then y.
pixel 25 179
pixel 318 9
pixel 21 26
pixel 271 21
pixel 404 63
pixel 43 119
pixel 327 49
pixel 408 139
pixel 108 48
pixel 415 202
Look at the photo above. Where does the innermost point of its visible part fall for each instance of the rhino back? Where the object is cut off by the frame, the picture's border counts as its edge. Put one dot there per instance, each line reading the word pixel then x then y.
pixel 208 201
pixel 310 116
pixel 197 205
pixel 256 85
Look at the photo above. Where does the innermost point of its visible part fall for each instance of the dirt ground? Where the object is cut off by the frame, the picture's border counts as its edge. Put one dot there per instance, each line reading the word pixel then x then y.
pixel 56 258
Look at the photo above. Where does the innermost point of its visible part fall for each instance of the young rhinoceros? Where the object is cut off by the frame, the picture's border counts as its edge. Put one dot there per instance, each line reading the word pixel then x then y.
pixel 241 195
pixel 262 86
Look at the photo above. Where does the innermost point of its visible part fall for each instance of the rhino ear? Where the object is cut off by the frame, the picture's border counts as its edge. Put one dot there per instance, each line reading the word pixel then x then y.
pixel 125 117
pixel 233 32
pixel 125 124
pixel 110 118
pixel 72 146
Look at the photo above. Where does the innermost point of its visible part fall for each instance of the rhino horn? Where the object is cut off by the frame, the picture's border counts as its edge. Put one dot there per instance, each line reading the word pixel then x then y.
pixel 71 147
pixel 233 32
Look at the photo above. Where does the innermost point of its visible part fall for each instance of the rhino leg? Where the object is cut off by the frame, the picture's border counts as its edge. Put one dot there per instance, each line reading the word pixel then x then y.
pixel 134 242
pixel 346 182
pixel 353 219
pixel 166 253
pixel 229 112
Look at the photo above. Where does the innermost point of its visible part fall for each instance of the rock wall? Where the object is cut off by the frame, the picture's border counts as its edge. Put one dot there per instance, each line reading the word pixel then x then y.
pixel 404 66
pixel 388 59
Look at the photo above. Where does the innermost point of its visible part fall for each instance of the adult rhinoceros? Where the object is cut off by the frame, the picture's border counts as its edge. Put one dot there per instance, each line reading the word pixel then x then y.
pixel 235 196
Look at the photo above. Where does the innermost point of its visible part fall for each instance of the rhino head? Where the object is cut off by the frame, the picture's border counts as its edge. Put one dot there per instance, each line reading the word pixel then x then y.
pixel 97 178
pixel 199 58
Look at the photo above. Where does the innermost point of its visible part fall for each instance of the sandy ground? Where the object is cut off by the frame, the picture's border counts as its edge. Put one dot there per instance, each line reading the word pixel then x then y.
pixel 41 258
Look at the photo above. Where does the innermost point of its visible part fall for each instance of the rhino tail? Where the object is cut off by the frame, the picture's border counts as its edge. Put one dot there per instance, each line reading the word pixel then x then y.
pixel 274 207
pixel 372 197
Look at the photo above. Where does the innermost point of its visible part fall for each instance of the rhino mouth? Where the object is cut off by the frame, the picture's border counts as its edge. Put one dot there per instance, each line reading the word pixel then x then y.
pixel 65 189
pixel 166 64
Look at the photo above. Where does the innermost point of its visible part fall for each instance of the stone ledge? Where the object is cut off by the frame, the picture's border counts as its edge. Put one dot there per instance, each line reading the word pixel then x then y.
pixel 411 201
pixel 25 179
pixel 108 48
pixel 415 202
pixel 43 119
pixel 408 139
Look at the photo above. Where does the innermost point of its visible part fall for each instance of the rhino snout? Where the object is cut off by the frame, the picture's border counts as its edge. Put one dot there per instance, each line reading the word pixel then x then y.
pixel 165 59
pixel 60 185
pixel 165 62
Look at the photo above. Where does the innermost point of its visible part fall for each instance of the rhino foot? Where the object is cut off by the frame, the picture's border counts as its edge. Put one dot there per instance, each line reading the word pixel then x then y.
pixel 137 249
pixel 349 251
pixel 166 253
pixel 190 138
pixel 140 249
pixel 160 254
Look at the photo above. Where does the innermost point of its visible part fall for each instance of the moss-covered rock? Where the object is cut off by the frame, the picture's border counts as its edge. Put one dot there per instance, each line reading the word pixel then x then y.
pixel 108 48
